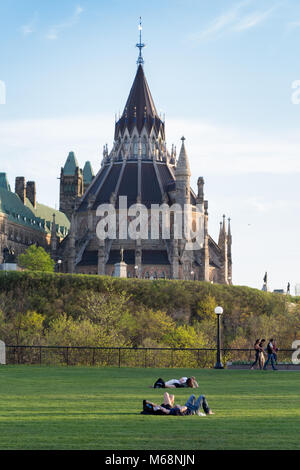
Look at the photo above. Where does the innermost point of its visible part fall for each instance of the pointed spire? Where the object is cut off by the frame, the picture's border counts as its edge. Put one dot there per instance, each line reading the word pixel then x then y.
pixel 88 173
pixel 224 224
pixel 183 166
pixel 140 45
pixel 229 227
pixel 140 109
pixel 220 235
pixel 70 165
pixel 229 239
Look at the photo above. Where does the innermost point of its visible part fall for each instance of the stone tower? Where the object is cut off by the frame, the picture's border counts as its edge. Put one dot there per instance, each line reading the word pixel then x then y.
pixel 88 175
pixel 183 176
pixel 71 185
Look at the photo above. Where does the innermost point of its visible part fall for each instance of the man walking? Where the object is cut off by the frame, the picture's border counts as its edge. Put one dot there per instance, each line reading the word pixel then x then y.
pixel 270 351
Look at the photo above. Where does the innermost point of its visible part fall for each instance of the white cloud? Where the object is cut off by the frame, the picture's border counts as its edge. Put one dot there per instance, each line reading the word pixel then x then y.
pixel 30 27
pixel 55 30
pixel 30 146
pixel 234 20
pixel 252 20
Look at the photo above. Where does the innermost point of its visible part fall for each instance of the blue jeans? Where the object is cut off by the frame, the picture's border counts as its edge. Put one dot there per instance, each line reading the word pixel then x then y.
pixel 194 406
pixel 270 357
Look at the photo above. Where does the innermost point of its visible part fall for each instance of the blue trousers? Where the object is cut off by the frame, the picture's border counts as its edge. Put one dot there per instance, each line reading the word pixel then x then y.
pixel 194 405
pixel 270 358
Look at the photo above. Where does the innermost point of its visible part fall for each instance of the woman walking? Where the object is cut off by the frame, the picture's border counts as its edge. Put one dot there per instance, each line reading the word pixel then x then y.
pixel 257 351
pixel 262 358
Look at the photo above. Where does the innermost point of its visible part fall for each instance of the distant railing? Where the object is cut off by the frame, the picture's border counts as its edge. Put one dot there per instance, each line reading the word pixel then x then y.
pixel 130 357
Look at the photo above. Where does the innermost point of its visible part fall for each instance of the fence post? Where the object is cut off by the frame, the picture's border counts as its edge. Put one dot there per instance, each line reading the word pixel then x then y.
pixel 119 357
pixel 2 353
pixel 40 355
pixel 67 356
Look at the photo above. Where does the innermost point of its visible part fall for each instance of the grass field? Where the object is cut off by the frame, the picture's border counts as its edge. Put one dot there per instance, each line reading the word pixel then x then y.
pixel 93 408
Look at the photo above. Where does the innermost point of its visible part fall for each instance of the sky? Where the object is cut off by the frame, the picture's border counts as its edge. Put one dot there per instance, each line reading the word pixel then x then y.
pixel 223 72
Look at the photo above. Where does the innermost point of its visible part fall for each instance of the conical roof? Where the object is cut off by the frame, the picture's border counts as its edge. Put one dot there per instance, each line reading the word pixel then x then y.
pixel 88 173
pixel 183 166
pixel 70 165
pixel 140 108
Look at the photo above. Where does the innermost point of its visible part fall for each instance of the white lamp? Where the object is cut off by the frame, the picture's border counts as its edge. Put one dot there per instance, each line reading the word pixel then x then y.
pixel 218 310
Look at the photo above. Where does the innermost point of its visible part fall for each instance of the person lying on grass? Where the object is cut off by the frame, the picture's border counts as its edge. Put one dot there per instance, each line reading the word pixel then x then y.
pixel 191 407
pixel 176 383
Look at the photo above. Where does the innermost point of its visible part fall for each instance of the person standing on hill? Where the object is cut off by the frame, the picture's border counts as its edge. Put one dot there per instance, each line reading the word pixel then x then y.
pixel 270 352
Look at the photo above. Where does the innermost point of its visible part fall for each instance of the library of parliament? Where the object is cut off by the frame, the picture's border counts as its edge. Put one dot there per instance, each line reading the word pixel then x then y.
pixel 138 166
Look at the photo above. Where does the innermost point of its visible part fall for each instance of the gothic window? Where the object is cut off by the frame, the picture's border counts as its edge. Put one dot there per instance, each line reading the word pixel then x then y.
pixel 135 148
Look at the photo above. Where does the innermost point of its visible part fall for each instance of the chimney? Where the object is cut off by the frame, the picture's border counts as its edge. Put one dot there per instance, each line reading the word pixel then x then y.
pixel 31 192
pixel 20 188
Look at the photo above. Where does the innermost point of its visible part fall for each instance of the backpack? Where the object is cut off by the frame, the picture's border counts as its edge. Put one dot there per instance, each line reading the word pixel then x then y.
pixel 147 408
pixel 159 383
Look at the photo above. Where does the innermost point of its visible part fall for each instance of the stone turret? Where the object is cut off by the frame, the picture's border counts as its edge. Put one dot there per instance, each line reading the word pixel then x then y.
pixel 71 185
pixel 223 244
pixel 183 176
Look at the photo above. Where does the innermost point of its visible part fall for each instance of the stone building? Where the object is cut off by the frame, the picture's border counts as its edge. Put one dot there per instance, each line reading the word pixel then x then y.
pixel 73 183
pixel 24 221
pixel 140 167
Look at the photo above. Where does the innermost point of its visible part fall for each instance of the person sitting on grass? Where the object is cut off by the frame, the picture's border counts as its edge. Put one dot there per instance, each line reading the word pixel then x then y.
pixel 176 383
pixel 191 407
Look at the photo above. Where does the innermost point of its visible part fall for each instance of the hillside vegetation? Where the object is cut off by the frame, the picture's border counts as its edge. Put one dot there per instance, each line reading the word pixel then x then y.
pixel 62 309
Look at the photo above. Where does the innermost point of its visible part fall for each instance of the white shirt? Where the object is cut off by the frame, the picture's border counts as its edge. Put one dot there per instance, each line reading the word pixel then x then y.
pixel 176 381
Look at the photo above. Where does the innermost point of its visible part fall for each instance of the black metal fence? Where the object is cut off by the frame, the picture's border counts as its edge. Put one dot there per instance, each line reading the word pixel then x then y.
pixel 130 357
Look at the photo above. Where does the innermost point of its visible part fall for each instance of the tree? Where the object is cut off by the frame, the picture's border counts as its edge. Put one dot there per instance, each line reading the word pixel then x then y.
pixel 36 259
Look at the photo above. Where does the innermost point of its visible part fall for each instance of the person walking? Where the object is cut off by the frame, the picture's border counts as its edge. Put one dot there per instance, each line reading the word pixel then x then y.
pixel 270 352
pixel 262 353
pixel 257 351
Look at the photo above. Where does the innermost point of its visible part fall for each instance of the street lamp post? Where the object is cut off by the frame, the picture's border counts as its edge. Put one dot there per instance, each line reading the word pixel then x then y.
pixel 219 365
pixel 136 271
pixel 58 264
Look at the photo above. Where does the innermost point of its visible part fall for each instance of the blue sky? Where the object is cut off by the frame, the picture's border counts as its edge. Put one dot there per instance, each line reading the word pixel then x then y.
pixel 220 70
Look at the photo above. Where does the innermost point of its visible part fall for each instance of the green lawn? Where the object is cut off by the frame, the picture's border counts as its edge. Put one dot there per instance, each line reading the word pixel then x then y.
pixel 95 408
